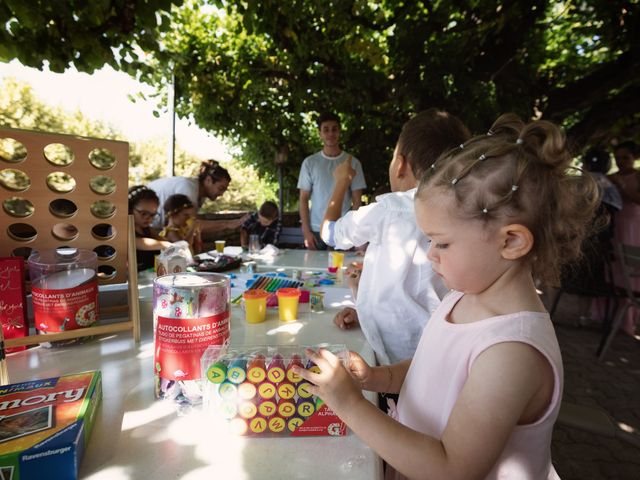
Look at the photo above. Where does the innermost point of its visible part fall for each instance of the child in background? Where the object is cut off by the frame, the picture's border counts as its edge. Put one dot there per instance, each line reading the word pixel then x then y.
pixel 180 215
pixel 265 223
pixel 398 290
pixel 143 205
pixel 481 395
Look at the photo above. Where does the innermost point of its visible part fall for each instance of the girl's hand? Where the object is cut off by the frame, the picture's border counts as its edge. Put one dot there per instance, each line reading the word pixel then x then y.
pixel 360 370
pixel 334 385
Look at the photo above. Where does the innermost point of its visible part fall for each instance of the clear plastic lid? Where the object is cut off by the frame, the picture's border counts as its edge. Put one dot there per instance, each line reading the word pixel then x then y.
pixel 64 258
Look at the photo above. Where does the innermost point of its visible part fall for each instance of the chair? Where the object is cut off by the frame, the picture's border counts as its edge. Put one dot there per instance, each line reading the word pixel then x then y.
pixel 592 276
pixel 291 237
pixel 628 257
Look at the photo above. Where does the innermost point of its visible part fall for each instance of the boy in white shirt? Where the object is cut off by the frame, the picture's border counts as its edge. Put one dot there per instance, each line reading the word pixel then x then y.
pixel 398 290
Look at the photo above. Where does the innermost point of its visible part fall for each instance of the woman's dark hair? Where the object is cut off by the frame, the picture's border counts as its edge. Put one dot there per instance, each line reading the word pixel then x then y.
pixel 138 193
pixel 212 169
pixel 176 203
pixel 597 159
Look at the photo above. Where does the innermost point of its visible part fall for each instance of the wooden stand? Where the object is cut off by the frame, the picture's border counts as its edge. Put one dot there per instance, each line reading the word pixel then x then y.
pixel 91 229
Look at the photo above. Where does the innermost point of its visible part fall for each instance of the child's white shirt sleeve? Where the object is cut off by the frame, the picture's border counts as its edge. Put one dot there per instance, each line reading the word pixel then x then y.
pixel 354 229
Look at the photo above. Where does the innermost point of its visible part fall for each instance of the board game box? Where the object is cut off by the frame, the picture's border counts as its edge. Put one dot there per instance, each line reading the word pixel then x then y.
pixel 45 425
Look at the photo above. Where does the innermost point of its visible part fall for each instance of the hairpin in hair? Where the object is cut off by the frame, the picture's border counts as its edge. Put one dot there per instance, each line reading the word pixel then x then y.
pixel 179 209
pixel 461 146
pixel 519 141
pixel 485 211
pixel 482 157
pixel 489 133
pixel 136 190
pixel 514 188
pixel 454 181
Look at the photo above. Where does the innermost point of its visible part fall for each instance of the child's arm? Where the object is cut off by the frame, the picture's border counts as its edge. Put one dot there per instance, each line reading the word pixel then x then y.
pixel 343 176
pixel 507 385
pixel 148 243
pixel 197 238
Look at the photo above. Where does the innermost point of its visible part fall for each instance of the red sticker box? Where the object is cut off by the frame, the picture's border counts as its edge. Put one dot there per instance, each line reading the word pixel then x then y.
pixel 13 307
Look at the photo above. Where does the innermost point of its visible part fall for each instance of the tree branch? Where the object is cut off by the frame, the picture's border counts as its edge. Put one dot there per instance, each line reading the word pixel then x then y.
pixel 581 93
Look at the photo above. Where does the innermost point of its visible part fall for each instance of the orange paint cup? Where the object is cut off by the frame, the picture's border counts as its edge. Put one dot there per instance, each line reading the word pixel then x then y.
pixel 288 299
pixel 255 305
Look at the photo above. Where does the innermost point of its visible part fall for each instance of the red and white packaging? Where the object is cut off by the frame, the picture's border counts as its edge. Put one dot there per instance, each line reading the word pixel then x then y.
pixel 64 289
pixel 13 306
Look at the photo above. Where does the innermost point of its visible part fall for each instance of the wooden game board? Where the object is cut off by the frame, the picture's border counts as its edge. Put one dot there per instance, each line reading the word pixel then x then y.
pixel 48 213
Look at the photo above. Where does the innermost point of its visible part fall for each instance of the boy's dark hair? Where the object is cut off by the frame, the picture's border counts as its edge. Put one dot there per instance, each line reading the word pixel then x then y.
pixel 327 117
pixel 628 145
pixel 138 193
pixel 427 135
pixel 596 159
pixel 269 210
pixel 176 203
pixel 211 168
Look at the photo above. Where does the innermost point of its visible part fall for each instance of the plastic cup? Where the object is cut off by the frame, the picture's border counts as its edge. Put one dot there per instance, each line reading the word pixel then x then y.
pixel 255 305
pixel 288 299
pixel 337 259
pixel 220 246
pixel 254 243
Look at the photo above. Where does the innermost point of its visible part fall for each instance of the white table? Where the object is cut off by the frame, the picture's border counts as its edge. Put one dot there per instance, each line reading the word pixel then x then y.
pixel 136 436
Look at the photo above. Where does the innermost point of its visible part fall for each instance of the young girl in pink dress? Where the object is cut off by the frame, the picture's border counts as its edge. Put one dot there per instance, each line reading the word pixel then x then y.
pixel 481 395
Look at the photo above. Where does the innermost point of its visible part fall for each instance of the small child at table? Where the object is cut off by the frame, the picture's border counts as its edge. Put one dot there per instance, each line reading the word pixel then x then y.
pixel 480 397
pixel 265 223
pixel 180 215
pixel 143 205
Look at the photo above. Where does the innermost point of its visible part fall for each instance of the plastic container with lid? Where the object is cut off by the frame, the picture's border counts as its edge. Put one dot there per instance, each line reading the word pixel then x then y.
pixel 64 288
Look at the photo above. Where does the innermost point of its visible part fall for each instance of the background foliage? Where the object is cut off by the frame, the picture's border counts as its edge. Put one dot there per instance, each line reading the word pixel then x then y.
pixel 21 108
pixel 258 71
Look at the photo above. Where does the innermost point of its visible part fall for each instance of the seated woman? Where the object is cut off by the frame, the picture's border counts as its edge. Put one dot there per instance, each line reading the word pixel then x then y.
pixel 627 221
pixel 181 223
pixel 143 205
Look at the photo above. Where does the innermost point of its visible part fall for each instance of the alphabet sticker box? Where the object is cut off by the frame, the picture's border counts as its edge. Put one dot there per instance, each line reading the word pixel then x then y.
pixel 256 390
pixel 45 425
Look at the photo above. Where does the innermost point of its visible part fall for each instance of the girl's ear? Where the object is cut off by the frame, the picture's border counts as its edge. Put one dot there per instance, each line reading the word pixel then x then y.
pixel 517 241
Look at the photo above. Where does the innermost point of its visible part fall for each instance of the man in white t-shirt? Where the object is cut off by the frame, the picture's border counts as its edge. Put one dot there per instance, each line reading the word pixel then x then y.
pixel 398 289
pixel 316 181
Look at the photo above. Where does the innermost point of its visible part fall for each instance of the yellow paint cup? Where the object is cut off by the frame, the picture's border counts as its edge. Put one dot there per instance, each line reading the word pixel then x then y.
pixel 220 246
pixel 337 259
pixel 255 305
pixel 288 299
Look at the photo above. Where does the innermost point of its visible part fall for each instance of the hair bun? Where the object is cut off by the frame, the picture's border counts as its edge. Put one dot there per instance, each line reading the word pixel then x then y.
pixel 508 124
pixel 548 142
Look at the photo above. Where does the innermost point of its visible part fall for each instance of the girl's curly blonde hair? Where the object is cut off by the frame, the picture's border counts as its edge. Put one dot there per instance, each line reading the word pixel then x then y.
pixel 520 173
